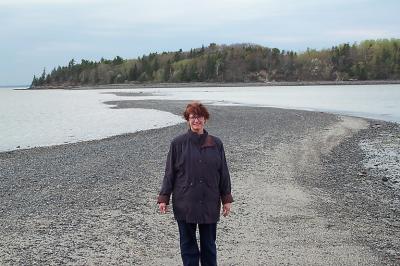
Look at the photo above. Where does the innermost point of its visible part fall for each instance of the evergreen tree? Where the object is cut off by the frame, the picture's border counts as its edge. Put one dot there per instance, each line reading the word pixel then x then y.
pixel 71 63
pixel 117 60
pixel 167 71
pixel 34 81
pixel 133 73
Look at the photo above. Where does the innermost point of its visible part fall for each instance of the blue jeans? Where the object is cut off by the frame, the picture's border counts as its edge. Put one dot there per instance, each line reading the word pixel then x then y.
pixel 189 249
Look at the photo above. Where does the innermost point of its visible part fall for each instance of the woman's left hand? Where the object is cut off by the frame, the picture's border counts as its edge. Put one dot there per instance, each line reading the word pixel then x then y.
pixel 226 209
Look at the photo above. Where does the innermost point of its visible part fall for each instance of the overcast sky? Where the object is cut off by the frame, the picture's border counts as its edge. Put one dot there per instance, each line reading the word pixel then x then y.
pixel 47 33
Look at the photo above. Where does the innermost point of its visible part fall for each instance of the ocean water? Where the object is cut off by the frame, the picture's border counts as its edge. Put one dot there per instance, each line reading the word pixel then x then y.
pixel 49 117
pixel 370 101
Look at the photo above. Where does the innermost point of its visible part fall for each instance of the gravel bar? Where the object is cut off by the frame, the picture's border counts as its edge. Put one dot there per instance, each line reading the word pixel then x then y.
pixel 304 194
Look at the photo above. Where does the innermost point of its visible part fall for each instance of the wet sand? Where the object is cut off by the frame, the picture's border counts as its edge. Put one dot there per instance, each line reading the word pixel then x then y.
pixel 303 194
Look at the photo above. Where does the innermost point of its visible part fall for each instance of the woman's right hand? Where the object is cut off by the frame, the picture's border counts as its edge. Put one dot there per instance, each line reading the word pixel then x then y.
pixel 163 207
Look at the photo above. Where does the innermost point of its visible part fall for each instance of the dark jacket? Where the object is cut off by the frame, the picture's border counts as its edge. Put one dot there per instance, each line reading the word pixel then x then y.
pixel 197 175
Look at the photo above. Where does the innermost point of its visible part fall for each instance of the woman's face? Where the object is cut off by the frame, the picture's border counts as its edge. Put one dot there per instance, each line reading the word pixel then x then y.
pixel 196 123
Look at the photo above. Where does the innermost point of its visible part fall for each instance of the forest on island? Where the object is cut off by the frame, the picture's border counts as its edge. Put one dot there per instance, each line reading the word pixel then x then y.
pixel 367 60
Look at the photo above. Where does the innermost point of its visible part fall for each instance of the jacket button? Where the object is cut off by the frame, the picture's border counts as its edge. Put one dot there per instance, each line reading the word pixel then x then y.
pixel 199 161
pixel 201 181
pixel 191 183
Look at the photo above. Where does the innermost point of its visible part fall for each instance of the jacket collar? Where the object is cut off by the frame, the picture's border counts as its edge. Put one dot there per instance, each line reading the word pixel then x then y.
pixel 196 138
pixel 203 140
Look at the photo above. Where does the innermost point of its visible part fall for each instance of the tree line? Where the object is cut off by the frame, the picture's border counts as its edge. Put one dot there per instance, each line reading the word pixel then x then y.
pixel 367 60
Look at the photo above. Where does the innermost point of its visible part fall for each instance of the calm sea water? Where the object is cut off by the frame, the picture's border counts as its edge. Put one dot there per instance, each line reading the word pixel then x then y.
pixel 370 101
pixel 49 117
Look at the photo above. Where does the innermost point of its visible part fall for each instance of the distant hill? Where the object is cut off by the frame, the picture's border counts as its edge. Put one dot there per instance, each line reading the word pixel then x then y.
pixel 368 60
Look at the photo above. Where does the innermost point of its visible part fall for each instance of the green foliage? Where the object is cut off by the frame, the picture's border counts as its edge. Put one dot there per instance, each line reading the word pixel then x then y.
pixel 133 73
pixel 368 60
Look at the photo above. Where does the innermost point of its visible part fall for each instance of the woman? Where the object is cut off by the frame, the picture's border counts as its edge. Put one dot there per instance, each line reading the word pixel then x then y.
pixel 197 176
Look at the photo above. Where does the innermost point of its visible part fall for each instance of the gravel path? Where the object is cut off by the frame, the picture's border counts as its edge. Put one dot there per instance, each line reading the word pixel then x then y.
pixel 93 202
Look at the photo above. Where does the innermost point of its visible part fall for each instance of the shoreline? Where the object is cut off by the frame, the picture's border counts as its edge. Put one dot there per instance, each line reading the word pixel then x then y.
pixel 94 202
pixel 213 84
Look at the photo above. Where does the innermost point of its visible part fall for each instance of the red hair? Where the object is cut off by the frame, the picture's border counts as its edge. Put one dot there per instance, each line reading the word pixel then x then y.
pixel 196 108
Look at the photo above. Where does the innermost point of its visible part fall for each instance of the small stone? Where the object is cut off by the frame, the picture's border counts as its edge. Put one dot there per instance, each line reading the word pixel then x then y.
pixel 385 179
pixel 329 226
pixel 362 173
pixel 391 252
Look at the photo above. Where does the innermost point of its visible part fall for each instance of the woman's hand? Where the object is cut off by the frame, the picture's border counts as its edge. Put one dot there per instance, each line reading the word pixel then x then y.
pixel 163 207
pixel 226 209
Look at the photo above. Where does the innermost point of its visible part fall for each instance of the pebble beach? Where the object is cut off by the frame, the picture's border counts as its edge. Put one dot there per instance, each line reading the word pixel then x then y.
pixel 310 188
